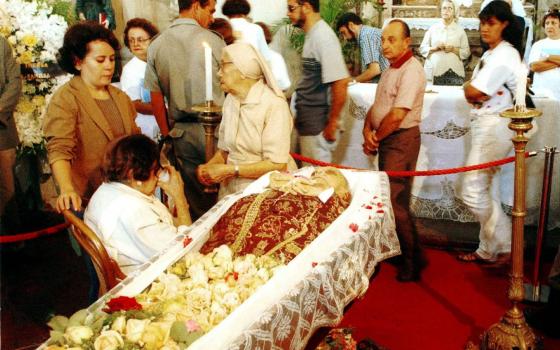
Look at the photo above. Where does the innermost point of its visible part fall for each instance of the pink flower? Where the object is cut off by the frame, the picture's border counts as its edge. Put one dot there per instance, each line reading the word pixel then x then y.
pixel 192 326
pixel 354 227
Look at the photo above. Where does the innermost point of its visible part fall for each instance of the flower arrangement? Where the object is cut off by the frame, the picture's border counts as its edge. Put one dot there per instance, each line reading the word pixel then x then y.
pixel 185 302
pixel 35 34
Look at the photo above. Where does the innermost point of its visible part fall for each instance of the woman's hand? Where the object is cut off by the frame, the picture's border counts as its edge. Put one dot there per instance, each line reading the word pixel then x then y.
pixel 68 200
pixel 209 174
pixel 174 186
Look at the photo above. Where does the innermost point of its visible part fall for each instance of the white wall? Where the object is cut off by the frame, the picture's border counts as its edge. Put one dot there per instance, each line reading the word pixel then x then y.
pixel 267 11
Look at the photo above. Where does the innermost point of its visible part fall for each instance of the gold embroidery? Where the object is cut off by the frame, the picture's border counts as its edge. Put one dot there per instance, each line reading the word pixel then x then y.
pixel 250 217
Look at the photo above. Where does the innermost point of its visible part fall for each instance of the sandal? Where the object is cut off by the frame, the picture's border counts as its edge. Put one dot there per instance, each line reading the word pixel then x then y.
pixel 475 258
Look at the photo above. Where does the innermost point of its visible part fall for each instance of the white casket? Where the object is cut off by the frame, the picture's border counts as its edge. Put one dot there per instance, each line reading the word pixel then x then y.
pixel 313 289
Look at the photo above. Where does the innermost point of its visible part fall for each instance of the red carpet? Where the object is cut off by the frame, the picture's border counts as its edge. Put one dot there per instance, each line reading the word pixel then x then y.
pixel 454 303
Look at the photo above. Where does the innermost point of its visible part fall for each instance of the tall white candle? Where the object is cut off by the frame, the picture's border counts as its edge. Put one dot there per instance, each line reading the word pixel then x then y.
pixel 521 89
pixel 208 70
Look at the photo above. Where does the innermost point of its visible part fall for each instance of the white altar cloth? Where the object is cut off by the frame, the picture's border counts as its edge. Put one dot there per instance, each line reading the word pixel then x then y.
pixel 312 290
pixel 445 141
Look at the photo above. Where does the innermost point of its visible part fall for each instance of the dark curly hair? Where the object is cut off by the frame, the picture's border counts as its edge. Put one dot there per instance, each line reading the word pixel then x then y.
pixel 76 41
pixel 554 13
pixel 141 23
pixel 136 154
pixel 315 4
pixel 236 7
pixel 501 10
pixel 222 27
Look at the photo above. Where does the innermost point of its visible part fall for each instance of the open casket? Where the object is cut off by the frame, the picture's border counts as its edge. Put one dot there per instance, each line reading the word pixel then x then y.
pixel 311 291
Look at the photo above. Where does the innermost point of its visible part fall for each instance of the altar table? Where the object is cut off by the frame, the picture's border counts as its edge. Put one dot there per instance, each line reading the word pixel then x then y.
pixel 313 289
pixel 445 144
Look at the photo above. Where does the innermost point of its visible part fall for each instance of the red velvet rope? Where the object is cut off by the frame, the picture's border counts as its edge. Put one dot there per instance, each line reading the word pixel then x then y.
pixel 32 235
pixel 420 172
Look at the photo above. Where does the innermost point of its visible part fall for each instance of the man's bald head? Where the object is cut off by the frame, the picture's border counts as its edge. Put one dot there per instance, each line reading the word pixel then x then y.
pixel 395 40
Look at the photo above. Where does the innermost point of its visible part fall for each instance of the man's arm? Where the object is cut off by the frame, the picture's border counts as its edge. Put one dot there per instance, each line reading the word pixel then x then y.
pixel 160 112
pixel 371 72
pixel 143 107
pixel 338 99
pixel 541 66
pixel 390 122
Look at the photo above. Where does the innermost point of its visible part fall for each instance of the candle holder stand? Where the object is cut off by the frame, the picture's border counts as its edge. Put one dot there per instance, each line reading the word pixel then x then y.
pixel 210 116
pixel 512 332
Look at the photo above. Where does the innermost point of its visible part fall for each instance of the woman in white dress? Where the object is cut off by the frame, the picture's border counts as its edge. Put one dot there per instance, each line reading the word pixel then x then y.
pixel 544 59
pixel 255 131
pixel 445 46
pixel 137 36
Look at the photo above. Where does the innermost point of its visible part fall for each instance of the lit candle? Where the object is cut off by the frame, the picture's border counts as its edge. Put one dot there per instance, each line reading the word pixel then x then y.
pixel 208 70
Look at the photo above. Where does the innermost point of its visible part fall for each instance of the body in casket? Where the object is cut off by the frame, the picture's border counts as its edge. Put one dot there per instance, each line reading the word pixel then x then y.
pixel 312 289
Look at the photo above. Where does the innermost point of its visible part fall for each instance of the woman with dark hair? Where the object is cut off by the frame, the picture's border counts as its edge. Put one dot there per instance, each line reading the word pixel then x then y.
pixel 491 91
pixel 545 57
pixel 222 27
pixel 85 113
pixel 244 31
pixel 132 223
pixel 137 36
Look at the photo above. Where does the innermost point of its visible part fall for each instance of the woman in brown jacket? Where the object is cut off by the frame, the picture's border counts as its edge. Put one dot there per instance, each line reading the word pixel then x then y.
pixel 86 113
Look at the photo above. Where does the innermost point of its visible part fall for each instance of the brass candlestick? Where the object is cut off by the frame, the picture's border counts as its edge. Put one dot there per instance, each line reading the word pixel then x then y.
pixel 209 116
pixel 512 332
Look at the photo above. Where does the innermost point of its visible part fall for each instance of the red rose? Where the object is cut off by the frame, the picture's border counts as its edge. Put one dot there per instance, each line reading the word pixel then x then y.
pixel 122 303
pixel 368 207
pixel 379 205
pixel 187 241
pixel 313 264
pixel 354 227
pixel 380 211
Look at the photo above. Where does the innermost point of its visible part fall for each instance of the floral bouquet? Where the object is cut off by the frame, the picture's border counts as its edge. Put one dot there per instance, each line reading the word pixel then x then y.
pixel 35 34
pixel 184 303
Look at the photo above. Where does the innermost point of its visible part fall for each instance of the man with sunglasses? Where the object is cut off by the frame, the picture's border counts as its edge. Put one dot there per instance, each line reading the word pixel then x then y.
pixel 321 92
pixel 176 70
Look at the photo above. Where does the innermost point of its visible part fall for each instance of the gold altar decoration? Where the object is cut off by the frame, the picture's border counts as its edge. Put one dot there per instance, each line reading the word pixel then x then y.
pixel 512 332
pixel 210 116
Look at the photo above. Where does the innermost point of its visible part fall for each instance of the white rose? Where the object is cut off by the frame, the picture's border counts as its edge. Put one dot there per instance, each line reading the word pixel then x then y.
pixel 192 258
pixel 244 266
pixel 217 313
pixel 135 328
pixel 199 298
pixel 263 274
pixel 108 340
pixel 217 272
pixel 221 288
pixel 156 334
pixel 231 300
pixel 223 256
pixel 77 334
pixel 119 324
pixel 198 274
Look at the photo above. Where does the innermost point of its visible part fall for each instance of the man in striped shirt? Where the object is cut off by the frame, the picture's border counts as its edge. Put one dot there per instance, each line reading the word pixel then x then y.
pixel 373 62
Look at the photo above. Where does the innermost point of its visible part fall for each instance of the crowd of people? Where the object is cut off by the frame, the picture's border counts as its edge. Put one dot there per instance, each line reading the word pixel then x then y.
pixel 99 160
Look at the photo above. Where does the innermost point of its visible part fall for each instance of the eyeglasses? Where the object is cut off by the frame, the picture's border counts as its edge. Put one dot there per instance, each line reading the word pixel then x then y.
pixel 138 40
pixel 292 8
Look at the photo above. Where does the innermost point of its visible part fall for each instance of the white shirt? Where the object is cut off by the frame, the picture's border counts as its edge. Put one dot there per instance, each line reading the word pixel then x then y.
pixel 250 33
pixel 497 68
pixel 132 226
pixel 441 61
pixel 547 82
pixel 132 82
pixel 279 69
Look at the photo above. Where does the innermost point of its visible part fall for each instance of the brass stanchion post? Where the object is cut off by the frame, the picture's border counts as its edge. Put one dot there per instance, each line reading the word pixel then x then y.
pixel 512 332
pixel 210 116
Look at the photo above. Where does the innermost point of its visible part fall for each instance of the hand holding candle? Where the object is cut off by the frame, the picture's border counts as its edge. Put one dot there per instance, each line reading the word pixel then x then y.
pixel 208 70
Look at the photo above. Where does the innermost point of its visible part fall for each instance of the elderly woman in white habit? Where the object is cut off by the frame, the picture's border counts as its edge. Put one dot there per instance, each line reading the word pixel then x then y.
pixel 254 136
pixel 445 46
